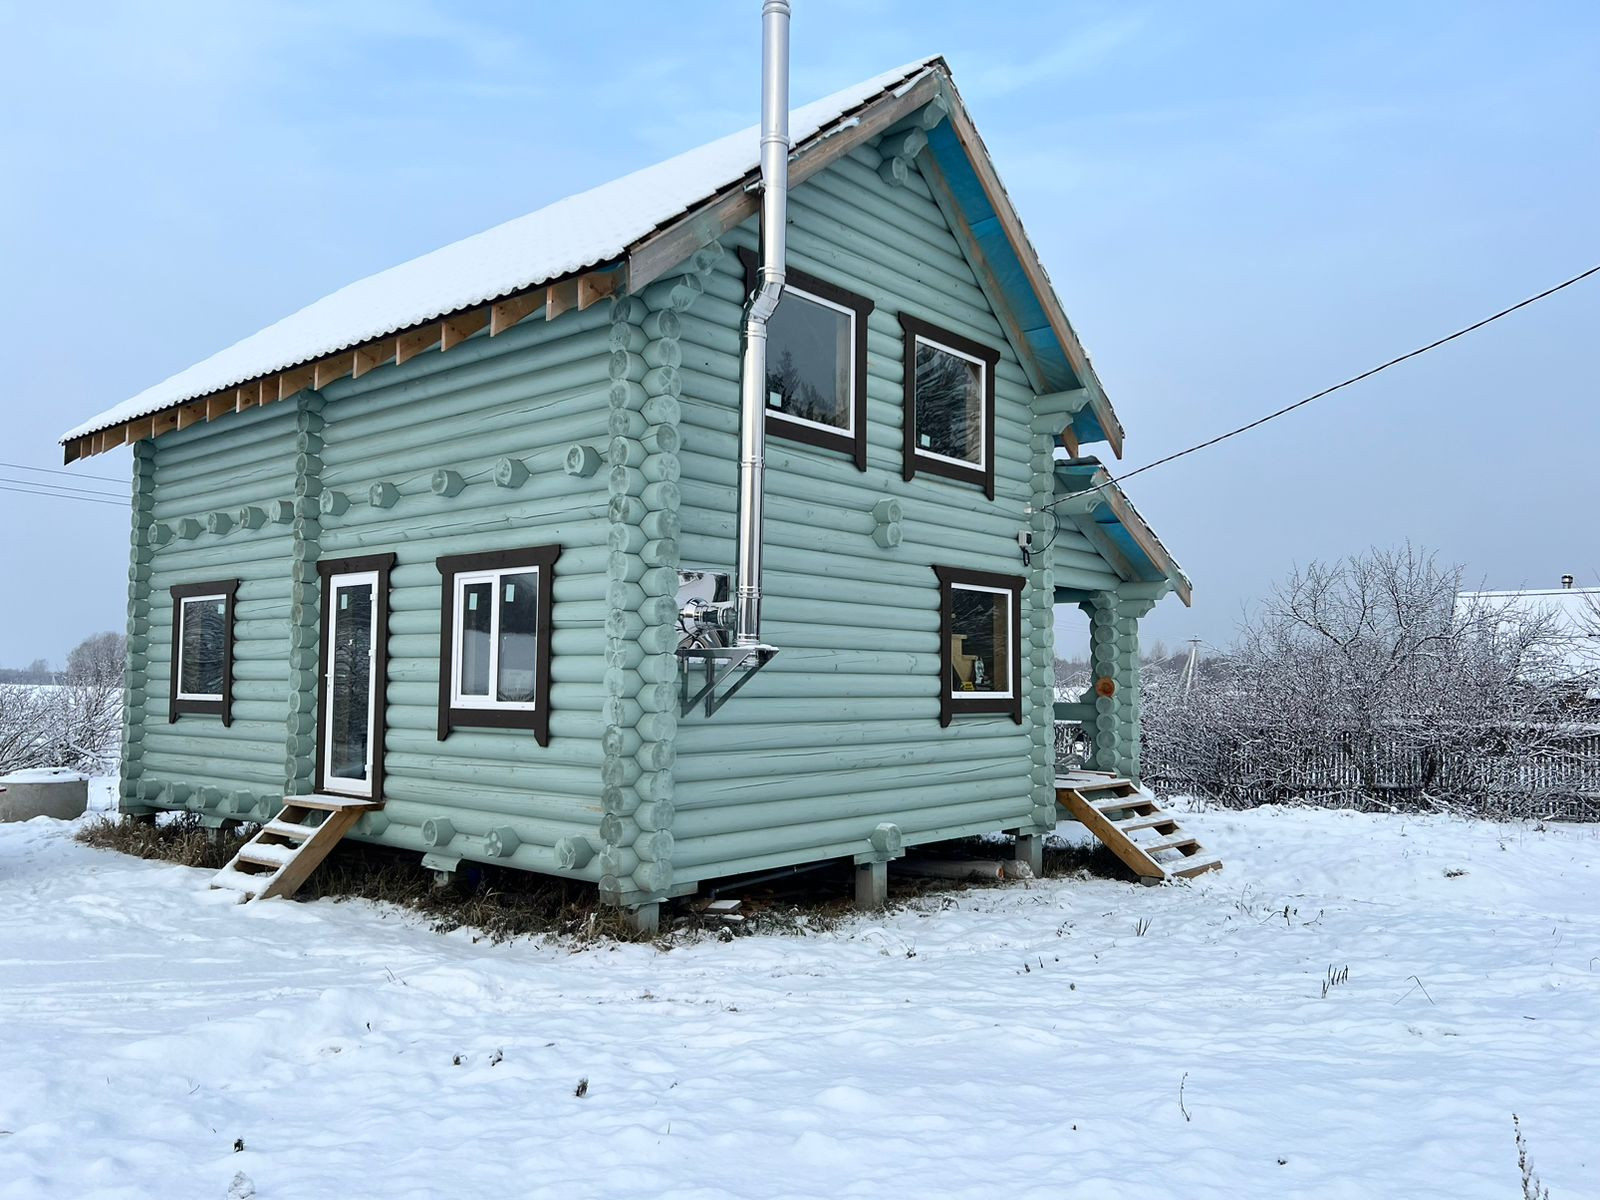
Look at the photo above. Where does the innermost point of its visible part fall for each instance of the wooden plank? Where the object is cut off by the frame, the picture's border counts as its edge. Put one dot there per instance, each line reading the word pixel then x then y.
pixel 245 397
pixel 72 452
pixel 1118 843
pixel 506 313
pixel 371 357
pixel 1189 868
pixel 596 286
pixel 191 414
pixel 661 252
pixel 457 329
pixel 296 379
pixel 559 297
pixel 335 366
pixel 218 403
pixel 409 345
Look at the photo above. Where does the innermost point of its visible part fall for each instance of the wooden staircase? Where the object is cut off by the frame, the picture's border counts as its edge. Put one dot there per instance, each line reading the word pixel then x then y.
pixel 1129 821
pixel 289 847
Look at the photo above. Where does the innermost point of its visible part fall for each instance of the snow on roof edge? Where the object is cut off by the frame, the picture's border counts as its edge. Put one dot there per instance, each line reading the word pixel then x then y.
pixel 573 234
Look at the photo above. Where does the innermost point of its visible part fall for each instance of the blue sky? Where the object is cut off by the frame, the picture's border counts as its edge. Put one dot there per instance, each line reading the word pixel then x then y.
pixel 1239 204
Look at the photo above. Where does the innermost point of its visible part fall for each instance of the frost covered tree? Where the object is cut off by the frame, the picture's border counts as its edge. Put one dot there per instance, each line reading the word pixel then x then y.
pixel 1367 678
pixel 73 722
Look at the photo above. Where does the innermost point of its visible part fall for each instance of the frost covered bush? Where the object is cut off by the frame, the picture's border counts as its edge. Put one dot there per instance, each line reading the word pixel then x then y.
pixel 74 722
pixel 1363 682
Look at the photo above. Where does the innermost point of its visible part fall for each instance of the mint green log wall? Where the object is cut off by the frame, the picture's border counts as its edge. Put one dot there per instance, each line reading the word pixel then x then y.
pixel 841 731
pixel 349 472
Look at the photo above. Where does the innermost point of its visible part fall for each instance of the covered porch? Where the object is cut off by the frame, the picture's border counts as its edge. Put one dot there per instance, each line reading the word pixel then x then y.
pixel 1102 721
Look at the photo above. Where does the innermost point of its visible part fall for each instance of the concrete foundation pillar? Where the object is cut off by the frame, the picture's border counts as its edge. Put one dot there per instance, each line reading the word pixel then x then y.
pixel 872 886
pixel 1030 850
pixel 646 918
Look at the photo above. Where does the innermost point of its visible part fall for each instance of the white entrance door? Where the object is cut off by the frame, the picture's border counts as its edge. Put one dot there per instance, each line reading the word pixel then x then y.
pixel 349 702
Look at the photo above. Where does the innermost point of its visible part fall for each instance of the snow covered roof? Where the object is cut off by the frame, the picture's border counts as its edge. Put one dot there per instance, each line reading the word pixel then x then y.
pixel 585 230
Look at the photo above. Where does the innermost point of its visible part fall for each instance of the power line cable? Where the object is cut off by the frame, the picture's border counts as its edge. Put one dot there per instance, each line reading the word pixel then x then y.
pixel 63 496
pixel 58 471
pixel 1368 374
pixel 60 487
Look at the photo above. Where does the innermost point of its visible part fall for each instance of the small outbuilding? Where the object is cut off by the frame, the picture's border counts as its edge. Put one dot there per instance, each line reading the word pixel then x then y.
pixel 485 557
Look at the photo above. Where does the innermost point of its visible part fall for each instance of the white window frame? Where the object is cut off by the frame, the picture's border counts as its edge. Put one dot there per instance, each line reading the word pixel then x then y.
pixel 982 463
pixel 331 783
pixel 457 634
pixel 183 605
pixel 1011 609
pixel 849 429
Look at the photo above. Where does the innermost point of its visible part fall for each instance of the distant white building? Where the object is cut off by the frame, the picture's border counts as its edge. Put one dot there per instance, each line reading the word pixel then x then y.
pixel 1573 612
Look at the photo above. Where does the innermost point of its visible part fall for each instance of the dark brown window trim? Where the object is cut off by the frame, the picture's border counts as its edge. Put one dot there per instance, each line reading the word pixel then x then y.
pixel 450 717
pixel 223 707
pixel 382 564
pixel 915 461
pixel 951 706
pixel 855 445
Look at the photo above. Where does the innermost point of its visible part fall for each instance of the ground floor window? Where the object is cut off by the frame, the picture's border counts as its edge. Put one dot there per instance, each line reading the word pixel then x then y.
pixel 202 649
pixel 494 640
pixel 980 639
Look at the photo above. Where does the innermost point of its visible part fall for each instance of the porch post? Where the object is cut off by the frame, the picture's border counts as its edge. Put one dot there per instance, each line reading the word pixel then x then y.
pixel 1114 667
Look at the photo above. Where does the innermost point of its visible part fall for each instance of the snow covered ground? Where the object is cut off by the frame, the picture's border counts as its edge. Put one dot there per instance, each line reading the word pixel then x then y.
pixel 1019 1042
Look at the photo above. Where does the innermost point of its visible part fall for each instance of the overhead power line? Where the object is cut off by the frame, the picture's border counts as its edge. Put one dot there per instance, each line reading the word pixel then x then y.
pixel 87 499
pixel 1354 379
pixel 62 487
pixel 58 471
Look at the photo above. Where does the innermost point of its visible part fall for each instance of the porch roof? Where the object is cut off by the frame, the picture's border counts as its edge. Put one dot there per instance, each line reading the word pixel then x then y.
pixel 1094 504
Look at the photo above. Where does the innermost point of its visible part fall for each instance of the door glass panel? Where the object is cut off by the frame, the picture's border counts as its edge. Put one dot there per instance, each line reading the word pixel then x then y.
pixel 519 636
pixel 350 689
pixel 477 599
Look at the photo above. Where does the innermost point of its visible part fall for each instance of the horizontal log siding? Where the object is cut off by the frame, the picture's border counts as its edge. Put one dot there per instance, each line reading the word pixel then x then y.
pixel 841 731
pixel 528 394
pixel 221 467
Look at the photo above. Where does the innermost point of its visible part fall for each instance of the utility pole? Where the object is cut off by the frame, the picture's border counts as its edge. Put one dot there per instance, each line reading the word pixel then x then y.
pixel 1189 667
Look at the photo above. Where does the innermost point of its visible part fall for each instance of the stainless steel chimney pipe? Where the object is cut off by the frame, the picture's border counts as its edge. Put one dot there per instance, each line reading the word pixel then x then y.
pixel 768 290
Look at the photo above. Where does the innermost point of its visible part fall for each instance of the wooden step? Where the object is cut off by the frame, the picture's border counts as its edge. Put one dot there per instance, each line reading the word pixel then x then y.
pixel 1188 868
pixel 1093 808
pixel 1175 842
pixel 239 881
pixel 1148 821
pixel 1117 804
pixel 334 803
pixel 283 868
pixel 268 854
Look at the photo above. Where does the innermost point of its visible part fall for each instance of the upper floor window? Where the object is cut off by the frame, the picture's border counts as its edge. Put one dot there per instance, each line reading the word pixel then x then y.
pixel 949 405
pixel 817 363
pixel 494 652
pixel 202 649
